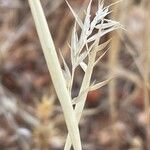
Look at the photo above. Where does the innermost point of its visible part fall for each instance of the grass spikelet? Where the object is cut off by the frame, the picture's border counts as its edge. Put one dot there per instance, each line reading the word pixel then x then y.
pixel 88 46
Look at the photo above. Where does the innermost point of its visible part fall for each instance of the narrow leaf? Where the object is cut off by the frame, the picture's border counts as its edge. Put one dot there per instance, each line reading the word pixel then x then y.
pixel 75 15
pixel 67 71
pixel 74 45
pixel 101 56
pixel 101 84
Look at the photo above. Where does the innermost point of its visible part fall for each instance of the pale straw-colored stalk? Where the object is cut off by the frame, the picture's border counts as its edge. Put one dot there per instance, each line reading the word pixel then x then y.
pixel 85 84
pixel 113 62
pixel 55 71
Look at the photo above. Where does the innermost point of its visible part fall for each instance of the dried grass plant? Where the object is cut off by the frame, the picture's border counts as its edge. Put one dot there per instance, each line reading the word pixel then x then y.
pixel 85 46
pixel 77 46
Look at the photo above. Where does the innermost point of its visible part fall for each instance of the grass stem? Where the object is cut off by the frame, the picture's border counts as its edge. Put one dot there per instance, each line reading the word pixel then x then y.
pixel 55 71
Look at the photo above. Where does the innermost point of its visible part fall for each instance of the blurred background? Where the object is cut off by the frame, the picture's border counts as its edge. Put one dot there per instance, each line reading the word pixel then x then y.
pixel 116 117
